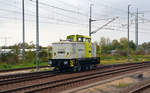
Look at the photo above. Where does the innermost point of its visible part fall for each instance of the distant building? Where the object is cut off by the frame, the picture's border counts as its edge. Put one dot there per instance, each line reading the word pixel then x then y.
pixel 5 51
pixel 113 52
pixel 11 50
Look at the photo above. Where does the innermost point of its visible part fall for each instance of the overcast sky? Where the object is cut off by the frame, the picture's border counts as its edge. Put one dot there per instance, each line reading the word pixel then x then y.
pixel 59 18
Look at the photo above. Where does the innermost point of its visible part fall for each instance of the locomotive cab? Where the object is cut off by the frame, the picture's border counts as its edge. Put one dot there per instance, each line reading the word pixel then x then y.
pixel 84 39
pixel 75 53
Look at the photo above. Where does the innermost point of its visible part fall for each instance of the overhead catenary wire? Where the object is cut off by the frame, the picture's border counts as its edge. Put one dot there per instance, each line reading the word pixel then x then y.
pixel 60 14
pixel 28 14
pixel 58 18
pixel 64 15
pixel 63 2
pixel 32 15
pixel 65 10
pixel 15 6
pixel 106 6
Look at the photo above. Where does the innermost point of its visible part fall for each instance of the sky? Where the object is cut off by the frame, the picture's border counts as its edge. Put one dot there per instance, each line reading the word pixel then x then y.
pixel 60 18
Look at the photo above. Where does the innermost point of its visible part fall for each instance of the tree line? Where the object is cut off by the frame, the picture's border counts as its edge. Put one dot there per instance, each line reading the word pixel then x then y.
pixel 120 47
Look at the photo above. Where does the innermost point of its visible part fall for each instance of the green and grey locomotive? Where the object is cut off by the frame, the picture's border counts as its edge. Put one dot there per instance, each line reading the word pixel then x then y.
pixel 75 53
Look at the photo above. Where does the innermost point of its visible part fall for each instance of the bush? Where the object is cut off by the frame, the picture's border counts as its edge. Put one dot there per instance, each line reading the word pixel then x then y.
pixel 122 52
pixel 140 52
pixel 4 66
pixel 30 57
pixel 43 56
pixel 9 58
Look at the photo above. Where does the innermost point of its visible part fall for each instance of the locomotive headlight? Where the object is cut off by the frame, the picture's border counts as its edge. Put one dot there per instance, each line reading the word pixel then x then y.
pixel 50 62
pixel 54 55
pixel 65 62
pixel 67 55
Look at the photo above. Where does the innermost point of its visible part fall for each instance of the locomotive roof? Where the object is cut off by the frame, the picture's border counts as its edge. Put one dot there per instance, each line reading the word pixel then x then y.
pixel 74 40
pixel 78 36
pixel 65 42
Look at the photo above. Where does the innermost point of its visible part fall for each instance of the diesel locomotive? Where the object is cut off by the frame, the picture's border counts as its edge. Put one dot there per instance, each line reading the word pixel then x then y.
pixel 76 53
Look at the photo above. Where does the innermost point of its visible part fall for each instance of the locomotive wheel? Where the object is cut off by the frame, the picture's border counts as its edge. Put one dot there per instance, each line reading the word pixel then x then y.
pixel 94 66
pixel 74 69
pixel 91 67
pixel 60 70
pixel 63 70
pixel 79 68
pixel 82 68
pixel 86 68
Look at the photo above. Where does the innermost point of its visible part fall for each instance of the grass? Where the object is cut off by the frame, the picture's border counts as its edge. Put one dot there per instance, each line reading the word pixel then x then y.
pixel 4 66
pixel 109 59
pixel 123 85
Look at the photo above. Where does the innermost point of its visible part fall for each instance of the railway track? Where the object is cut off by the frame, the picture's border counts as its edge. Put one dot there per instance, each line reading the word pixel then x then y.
pixel 80 80
pixel 6 78
pixel 27 76
pixel 142 87
pixel 66 81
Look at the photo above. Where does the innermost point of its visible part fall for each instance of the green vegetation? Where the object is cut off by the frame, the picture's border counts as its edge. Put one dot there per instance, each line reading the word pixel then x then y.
pixel 12 59
pixel 121 47
pixel 113 59
pixel 115 52
pixel 4 66
pixel 123 85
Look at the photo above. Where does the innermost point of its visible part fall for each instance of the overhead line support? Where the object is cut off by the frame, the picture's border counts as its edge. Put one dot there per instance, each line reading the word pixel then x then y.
pixel 23 31
pixel 37 36
pixel 128 32
pixel 136 29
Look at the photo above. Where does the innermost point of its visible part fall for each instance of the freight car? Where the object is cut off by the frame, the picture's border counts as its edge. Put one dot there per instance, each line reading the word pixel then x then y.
pixel 76 53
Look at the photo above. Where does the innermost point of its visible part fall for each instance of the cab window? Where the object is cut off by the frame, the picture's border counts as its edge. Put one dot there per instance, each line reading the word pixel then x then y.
pixel 81 39
pixel 88 40
pixel 70 39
